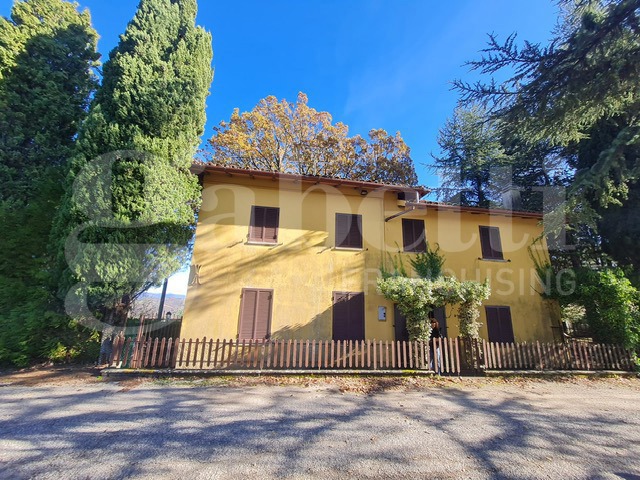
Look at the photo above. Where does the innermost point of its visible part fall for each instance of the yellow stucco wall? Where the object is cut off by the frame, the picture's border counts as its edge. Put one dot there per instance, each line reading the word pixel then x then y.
pixel 304 268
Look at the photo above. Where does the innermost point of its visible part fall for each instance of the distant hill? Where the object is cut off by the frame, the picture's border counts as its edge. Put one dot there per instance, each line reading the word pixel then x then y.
pixel 147 304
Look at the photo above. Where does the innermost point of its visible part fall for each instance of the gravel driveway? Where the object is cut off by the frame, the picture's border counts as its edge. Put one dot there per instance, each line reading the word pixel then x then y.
pixel 452 429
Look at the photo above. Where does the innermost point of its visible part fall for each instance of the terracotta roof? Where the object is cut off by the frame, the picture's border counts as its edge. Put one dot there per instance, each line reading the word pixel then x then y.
pixel 206 168
pixel 475 210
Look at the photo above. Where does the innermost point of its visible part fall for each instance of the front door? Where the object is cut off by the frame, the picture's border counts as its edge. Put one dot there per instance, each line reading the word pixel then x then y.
pixel 400 324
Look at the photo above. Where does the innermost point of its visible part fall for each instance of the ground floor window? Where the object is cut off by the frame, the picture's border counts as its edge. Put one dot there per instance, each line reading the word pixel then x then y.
pixel 499 324
pixel 348 316
pixel 255 314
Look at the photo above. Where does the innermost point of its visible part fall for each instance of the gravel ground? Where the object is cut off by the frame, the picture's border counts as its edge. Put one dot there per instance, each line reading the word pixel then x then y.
pixel 79 427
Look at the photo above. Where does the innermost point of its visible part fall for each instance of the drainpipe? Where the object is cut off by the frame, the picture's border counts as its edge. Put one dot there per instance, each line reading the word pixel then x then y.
pixel 411 209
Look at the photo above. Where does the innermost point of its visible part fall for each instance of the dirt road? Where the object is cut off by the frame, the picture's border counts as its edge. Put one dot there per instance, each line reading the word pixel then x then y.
pixel 57 427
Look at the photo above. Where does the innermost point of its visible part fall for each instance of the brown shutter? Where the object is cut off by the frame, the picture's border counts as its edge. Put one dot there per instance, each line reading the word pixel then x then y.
pixel 262 328
pixel 499 324
pixel 263 226
pixel 355 231
pixel 255 314
pixel 407 235
pixel 247 313
pixel 255 225
pixel 485 242
pixel 496 244
pixel 348 230
pixel 343 223
pixel 506 325
pixel 490 243
pixel 348 316
pixel 271 220
pixel 340 314
pixel 413 235
pixel 493 324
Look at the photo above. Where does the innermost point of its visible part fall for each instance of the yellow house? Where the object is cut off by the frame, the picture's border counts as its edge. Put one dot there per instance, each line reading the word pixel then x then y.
pixel 287 256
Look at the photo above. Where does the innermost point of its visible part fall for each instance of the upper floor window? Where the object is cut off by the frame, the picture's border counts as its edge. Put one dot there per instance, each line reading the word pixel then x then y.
pixel 348 230
pixel 413 236
pixel 263 227
pixel 490 243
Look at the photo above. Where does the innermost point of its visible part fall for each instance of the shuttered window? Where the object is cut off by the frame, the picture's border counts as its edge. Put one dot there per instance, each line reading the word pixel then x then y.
pixel 490 243
pixel 348 316
pixel 499 324
pixel 348 230
pixel 255 314
pixel 264 224
pixel 413 236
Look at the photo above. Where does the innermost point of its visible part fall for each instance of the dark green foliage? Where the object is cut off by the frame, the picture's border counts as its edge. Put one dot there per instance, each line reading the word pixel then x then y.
pixel 472 160
pixel 574 105
pixel 560 93
pixel 619 229
pixel 428 265
pixel 45 84
pixel 128 219
pixel 47 51
pixel 612 304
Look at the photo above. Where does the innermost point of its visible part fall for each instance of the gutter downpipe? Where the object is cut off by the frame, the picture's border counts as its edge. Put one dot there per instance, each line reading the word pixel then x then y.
pixel 411 209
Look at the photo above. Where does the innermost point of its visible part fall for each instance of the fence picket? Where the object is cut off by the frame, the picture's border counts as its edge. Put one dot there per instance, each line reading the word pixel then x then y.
pixel 494 360
pixel 357 354
pixel 616 358
pixel 445 354
pixel 114 358
pixel 172 352
pixel 234 350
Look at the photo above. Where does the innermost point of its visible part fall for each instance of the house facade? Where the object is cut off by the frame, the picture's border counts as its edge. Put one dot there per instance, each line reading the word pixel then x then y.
pixel 286 256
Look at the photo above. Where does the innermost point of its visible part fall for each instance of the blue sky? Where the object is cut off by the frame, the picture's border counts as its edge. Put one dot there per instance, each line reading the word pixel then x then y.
pixel 370 63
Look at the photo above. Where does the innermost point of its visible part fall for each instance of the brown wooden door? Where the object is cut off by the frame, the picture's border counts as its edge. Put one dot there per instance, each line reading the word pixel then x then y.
pixel 400 324
pixel 255 314
pixel 348 316
pixel 499 325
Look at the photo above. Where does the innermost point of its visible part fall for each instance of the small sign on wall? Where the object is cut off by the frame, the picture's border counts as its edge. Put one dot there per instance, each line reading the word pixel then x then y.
pixel 382 314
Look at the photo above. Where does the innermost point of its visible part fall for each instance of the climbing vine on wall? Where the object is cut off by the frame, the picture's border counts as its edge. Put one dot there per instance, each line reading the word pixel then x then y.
pixel 416 297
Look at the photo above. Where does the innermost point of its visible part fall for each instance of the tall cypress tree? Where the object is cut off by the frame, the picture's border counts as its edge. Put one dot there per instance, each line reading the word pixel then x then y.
pixel 130 210
pixel 47 52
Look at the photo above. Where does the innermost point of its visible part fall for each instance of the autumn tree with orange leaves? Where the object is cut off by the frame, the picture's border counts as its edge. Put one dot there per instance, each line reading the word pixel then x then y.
pixel 279 136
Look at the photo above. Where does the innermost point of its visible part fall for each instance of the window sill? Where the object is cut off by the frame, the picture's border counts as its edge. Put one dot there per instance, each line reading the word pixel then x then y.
pixel 263 244
pixel 499 260
pixel 348 249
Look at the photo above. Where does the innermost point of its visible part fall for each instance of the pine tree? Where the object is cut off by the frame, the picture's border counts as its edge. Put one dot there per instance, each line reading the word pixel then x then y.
pixel 558 94
pixel 472 160
pixel 130 210
pixel 47 52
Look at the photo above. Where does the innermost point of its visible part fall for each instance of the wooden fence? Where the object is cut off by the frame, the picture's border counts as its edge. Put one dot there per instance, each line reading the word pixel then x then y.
pixel 572 355
pixel 452 355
